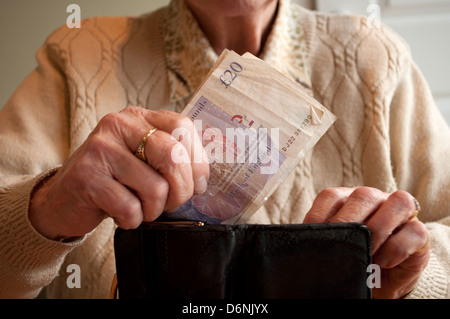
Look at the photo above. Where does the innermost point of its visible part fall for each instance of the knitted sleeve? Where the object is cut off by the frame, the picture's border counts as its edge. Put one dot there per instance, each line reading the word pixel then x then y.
pixel 34 141
pixel 420 153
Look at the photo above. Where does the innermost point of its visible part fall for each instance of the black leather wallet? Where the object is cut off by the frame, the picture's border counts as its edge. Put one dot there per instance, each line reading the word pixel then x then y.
pixel 189 260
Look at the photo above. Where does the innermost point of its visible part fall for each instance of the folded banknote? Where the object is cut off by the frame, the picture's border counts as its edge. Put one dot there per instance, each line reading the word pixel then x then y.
pixel 255 124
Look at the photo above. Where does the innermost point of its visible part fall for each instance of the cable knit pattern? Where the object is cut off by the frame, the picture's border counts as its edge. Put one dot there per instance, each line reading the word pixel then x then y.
pixel 363 75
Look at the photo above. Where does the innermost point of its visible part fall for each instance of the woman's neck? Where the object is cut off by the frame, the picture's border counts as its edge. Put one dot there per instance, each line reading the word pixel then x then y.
pixel 241 31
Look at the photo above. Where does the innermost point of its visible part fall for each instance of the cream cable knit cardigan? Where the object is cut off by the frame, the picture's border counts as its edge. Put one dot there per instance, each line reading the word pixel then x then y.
pixel 388 135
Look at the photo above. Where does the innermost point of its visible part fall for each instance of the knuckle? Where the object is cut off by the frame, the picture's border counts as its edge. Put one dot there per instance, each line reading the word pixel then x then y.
pixel 110 120
pixel 130 214
pixel 175 153
pixel 89 160
pixel 97 146
pixel 131 109
pixel 96 141
pixel 366 194
pixel 420 230
pixel 331 197
pixel 329 194
pixel 402 200
pixel 129 209
pixel 111 123
pixel 184 122
pixel 399 250
pixel 414 236
pixel 160 190
pixel 171 152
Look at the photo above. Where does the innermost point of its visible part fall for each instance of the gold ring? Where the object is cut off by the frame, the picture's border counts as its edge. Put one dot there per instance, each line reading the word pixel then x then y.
pixel 415 213
pixel 424 246
pixel 140 152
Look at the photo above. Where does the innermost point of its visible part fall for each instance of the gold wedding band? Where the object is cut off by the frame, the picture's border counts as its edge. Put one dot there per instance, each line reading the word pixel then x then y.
pixel 424 246
pixel 140 152
pixel 415 213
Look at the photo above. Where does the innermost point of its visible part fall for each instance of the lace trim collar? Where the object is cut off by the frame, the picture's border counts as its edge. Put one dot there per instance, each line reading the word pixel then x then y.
pixel 190 56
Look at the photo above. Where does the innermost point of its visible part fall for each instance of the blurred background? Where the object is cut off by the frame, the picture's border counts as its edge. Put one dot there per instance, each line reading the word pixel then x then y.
pixel 424 24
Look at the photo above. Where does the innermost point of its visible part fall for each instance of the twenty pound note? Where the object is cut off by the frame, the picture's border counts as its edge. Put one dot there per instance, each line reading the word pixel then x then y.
pixel 255 124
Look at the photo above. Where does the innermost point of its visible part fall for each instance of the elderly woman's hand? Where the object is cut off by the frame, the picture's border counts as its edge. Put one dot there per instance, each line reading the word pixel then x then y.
pixel 104 178
pixel 400 240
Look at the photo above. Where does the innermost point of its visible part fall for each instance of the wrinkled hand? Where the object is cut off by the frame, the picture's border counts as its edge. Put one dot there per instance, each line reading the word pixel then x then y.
pixel 104 178
pixel 400 241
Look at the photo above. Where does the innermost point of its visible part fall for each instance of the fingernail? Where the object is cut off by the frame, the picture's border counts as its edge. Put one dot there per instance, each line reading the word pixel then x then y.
pixel 201 185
